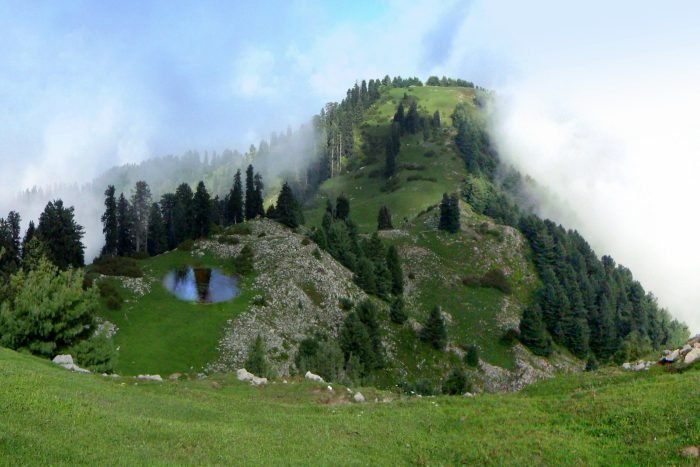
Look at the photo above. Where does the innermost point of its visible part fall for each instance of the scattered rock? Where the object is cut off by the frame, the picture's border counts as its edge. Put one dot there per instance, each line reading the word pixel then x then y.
pixel 215 385
pixel 313 377
pixel 691 452
pixel 330 389
pixel 66 361
pixel 638 366
pixel 245 375
pixel 626 366
pixel 150 378
pixel 468 394
pixel 358 397
pixel 174 376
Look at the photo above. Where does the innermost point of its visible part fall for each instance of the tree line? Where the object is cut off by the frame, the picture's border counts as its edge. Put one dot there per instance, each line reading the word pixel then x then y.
pixel 587 304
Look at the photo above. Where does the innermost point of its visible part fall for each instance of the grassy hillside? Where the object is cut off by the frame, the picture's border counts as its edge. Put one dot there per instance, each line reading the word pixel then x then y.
pixel 50 415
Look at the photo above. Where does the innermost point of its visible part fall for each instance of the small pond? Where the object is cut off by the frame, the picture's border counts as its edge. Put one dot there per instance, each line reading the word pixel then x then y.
pixel 201 285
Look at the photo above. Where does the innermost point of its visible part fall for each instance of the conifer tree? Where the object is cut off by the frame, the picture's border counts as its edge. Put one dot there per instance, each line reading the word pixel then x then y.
pixel 141 205
pixel 384 219
pixel 367 312
pixel 355 341
pixel 449 213
pixel 184 212
pixel 436 119
pixel 201 206
pixel 109 223
pixel 471 358
pixel 125 227
pixel 28 236
pixel 61 235
pixel 411 122
pixel 397 312
pixel 235 200
pixel 168 207
pixel 256 362
pixel 456 382
pixel 399 117
pixel 157 240
pixel 258 196
pixel 342 208
pixel 532 331
pixel 364 276
pixel 393 263
pixel 250 204
pixel 434 331
pixel 288 211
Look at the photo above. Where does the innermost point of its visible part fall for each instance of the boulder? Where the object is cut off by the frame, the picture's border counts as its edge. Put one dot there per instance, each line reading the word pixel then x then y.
pixel 685 349
pixel 691 452
pixel 626 366
pixel 66 361
pixel 313 377
pixel 63 360
pixel 150 378
pixel 358 397
pixel 174 376
pixel 245 375
pixel 640 366
pixel 691 356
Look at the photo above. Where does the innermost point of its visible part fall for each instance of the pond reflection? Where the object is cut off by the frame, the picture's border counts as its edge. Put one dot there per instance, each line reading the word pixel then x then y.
pixel 201 285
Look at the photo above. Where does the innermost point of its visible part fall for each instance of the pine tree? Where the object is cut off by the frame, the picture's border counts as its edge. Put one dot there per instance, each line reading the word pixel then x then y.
pixel 184 213
pixel 61 235
pixel 256 362
pixel 384 219
pixel 342 208
pixel 243 263
pixel 591 363
pixel 436 119
pixel 393 263
pixel 456 382
pixel 411 121
pixel 449 213
pixel 399 117
pixel 471 358
pixel 168 207
pixel 532 331
pixel 125 227
pixel 235 200
pixel 364 276
pixel 250 204
pixel 288 211
pixel 434 331
pixel 367 313
pixel 397 312
pixel 141 205
pixel 28 236
pixel 258 196
pixel 201 206
pixel 355 341
pixel 157 240
pixel 109 223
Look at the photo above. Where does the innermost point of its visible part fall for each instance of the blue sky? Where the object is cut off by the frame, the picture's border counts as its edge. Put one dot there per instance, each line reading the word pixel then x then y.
pixel 598 99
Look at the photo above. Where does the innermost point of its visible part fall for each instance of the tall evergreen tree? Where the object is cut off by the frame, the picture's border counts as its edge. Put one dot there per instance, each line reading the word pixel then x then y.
pixel 354 340
pixel 61 235
pixel 532 331
pixel 434 331
pixel 141 205
pixel 412 120
pixel 399 117
pixel 449 213
pixel 235 200
pixel 168 207
pixel 397 311
pixel 393 263
pixel 288 211
pixel 384 219
pixel 258 195
pixel 28 236
pixel 157 238
pixel 436 119
pixel 184 212
pixel 125 227
pixel 109 223
pixel 250 203
pixel 342 208
pixel 201 206
pixel 257 362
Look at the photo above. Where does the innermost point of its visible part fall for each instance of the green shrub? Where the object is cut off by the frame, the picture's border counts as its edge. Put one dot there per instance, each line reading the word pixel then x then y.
pixel 229 240
pixel 429 153
pixel 97 354
pixel 317 254
pixel 256 362
pixel 116 266
pixel 411 166
pixel 239 229
pixel 456 382
pixel 496 279
pixel 305 241
pixel 322 356
pixel 110 295
pixel 471 358
pixel 391 185
pixel 140 255
pixel 346 304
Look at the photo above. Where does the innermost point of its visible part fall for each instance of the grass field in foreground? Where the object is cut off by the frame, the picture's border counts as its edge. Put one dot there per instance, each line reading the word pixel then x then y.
pixel 49 415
